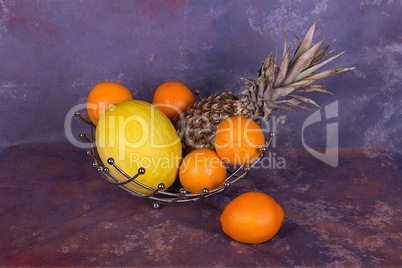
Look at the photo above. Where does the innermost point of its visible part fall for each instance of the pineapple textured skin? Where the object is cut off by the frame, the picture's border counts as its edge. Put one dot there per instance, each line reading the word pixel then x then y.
pixel 197 126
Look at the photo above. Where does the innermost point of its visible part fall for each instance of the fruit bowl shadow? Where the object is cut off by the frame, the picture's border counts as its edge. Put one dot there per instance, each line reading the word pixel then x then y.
pixel 173 194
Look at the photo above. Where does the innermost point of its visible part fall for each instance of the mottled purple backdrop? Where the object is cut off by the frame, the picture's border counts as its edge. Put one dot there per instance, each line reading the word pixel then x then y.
pixel 52 53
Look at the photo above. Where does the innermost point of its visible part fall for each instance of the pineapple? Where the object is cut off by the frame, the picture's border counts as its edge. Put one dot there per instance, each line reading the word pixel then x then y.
pixel 274 90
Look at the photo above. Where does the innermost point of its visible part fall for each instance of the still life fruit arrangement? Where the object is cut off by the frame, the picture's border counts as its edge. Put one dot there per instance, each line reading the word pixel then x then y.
pixel 177 149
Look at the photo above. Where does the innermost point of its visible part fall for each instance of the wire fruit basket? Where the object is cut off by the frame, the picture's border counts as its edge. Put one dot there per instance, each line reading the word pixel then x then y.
pixel 160 195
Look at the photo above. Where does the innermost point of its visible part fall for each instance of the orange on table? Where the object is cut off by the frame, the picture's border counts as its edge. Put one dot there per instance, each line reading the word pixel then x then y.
pixel 202 168
pixel 103 96
pixel 238 140
pixel 173 98
pixel 252 218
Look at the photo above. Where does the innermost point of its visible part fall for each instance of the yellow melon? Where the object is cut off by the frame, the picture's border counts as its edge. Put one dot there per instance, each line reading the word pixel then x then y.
pixel 137 134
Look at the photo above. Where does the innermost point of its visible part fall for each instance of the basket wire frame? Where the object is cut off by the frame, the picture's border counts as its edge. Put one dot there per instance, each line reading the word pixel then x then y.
pixel 160 194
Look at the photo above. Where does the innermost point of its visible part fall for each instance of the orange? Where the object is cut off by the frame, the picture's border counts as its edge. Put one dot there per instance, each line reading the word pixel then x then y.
pixel 252 218
pixel 173 98
pixel 238 140
pixel 202 168
pixel 103 96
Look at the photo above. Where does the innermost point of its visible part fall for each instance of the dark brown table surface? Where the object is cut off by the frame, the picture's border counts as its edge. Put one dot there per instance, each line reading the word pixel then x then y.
pixel 57 211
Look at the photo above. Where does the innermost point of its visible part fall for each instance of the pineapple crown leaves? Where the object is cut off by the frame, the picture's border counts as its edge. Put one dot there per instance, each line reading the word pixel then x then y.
pixel 275 84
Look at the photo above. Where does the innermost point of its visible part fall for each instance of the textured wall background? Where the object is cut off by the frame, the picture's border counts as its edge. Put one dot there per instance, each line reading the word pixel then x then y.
pixel 52 53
